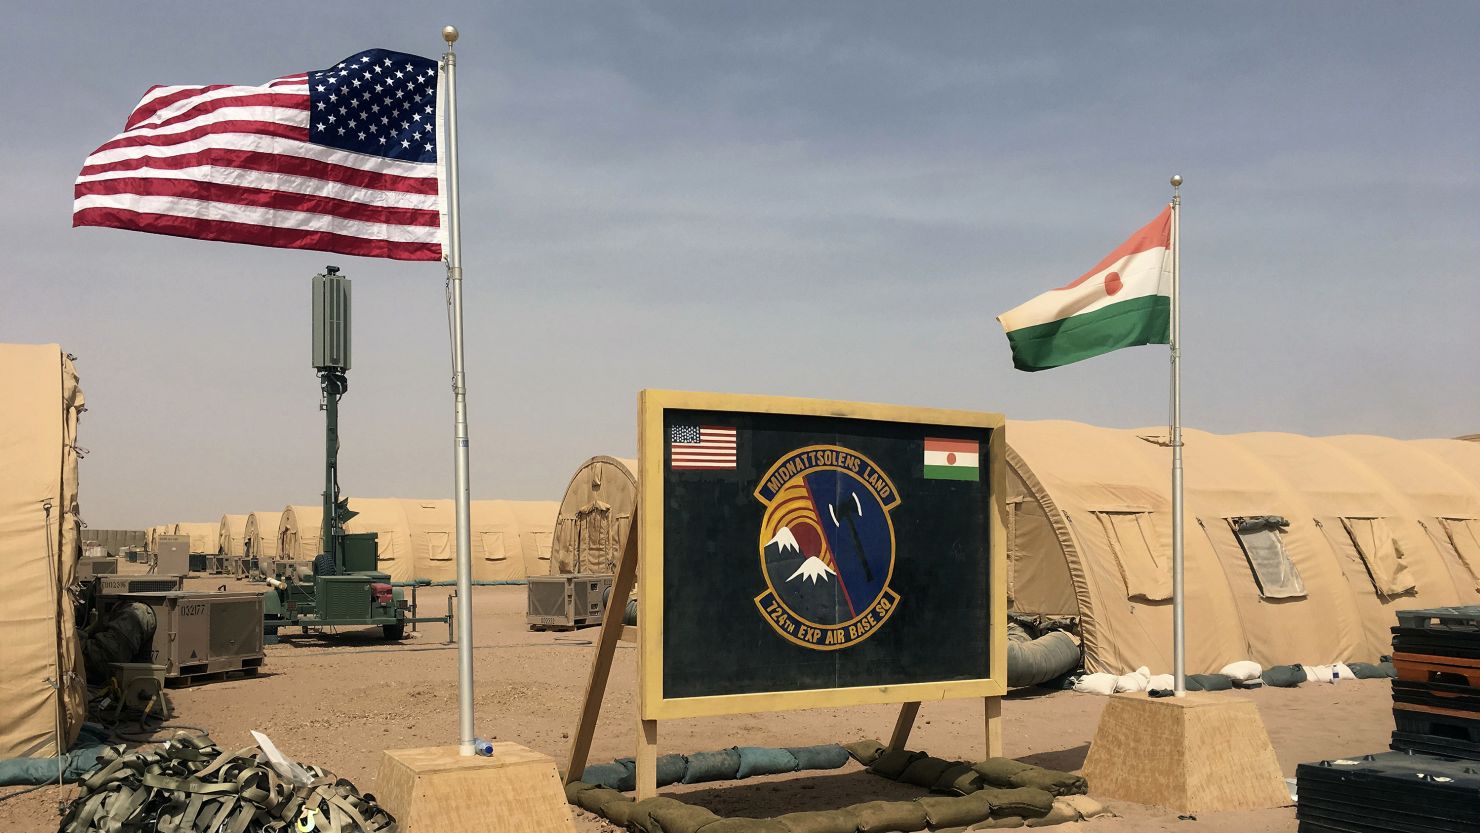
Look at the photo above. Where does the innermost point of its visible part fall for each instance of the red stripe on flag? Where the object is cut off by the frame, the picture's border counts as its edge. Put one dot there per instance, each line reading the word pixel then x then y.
pixel 255 128
pixel 261 197
pixel 1157 233
pixel 254 235
pixel 958 446
pixel 254 160
pixel 144 111
pixel 285 101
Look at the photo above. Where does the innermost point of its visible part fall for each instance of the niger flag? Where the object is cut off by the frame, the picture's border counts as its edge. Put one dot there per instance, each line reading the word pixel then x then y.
pixel 1122 302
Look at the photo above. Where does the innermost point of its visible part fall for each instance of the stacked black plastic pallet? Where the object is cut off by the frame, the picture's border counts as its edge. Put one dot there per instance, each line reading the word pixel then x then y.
pixel 1432 781
pixel 1436 697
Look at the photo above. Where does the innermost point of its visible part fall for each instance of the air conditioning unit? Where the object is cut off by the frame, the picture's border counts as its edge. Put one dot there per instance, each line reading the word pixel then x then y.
pixel 200 635
pixel 95 565
pixel 567 602
pixel 121 585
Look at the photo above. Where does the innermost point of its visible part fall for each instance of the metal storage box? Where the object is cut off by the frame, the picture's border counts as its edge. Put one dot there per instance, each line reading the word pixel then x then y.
pixel 172 555
pixel 202 634
pixel 96 565
pixel 567 601
pixel 121 585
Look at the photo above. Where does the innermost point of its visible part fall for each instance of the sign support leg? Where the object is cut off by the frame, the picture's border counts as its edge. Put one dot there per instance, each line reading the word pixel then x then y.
pixel 994 727
pixel 647 759
pixel 903 725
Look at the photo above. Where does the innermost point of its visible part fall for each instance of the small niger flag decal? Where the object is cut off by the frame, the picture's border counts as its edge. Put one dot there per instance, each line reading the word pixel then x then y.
pixel 952 459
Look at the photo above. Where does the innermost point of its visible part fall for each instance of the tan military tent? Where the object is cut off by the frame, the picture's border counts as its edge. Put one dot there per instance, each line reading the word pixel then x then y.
pixel 151 544
pixel 204 537
pixel 260 540
pixel 230 534
pixel 1297 549
pixel 298 532
pixel 595 516
pixel 39 541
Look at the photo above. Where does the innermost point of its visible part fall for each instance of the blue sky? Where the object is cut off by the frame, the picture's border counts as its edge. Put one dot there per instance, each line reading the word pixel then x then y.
pixel 821 199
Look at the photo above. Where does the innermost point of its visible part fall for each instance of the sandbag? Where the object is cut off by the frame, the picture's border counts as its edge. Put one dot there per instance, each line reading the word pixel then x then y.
pixel 1057 814
pixel 1161 682
pixel 592 799
pixel 998 772
pixel 924 772
pixel 953 811
pixel 618 810
pixel 1283 676
pixel 1027 802
pixel 824 756
pixel 723 765
pixel 1134 681
pixel 683 818
pixel 641 819
pixel 1051 781
pixel 864 751
pixel 1096 683
pixel 890 817
pixel 960 779
pixel 1209 682
pixel 574 788
pixel 1086 807
pixel 740 824
pixel 1242 670
pixel 893 763
pixel 997 824
pixel 764 760
pixel 821 821
pixel 615 775
pixel 671 769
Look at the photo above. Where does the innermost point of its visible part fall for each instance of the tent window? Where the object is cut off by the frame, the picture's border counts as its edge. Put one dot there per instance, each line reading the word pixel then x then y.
pixel 1143 565
pixel 1464 536
pixel 493 546
pixel 438 543
pixel 542 544
pixel 1380 553
pixel 1263 541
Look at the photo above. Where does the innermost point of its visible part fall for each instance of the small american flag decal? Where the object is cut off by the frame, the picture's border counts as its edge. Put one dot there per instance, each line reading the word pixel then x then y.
pixel 702 447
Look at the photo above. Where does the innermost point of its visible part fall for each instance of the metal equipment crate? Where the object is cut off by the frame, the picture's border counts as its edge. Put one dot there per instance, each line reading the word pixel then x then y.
pixel 567 601
pixel 122 585
pixel 96 565
pixel 172 554
pixel 200 635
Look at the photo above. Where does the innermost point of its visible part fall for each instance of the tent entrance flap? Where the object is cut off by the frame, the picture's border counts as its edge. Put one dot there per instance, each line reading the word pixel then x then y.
pixel 1145 564
pixel 1464 537
pixel 1262 540
pixel 1380 553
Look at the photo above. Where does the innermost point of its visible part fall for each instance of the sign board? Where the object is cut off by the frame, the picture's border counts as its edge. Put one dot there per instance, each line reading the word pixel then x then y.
pixel 800 553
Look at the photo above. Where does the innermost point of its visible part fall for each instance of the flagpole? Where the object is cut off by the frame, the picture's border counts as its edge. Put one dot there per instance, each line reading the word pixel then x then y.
pixel 1179 665
pixel 459 417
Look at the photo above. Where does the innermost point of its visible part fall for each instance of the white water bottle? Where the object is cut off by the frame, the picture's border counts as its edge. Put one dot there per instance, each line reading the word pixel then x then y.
pixel 1335 674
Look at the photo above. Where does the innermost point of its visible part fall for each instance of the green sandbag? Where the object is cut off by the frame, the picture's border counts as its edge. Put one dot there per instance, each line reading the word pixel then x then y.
pixel 671 769
pixel 821 821
pixel 1371 671
pixel 953 811
pixel 740 824
pixel 764 760
pixel 960 779
pixel 1209 682
pixel 1051 781
pixel 723 765
pixel 825 756
pixel 864 751
pixel 998 772
pixel 641 819
pixel 889 817
pixel 684 818
pixel 618 811
pixel 1283 676
pixel 614 776
pixel 925 771
pixel 997 824
pixel 592 799
pixel 575 787
pixel 893 763
pixel 1027 802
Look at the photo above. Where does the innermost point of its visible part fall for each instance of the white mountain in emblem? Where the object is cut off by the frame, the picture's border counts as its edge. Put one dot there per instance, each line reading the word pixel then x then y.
pixel 784 541
pixel 813 569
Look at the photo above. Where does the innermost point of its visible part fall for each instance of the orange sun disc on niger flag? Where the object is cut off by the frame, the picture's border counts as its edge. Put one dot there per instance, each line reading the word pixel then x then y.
pixel 1112 283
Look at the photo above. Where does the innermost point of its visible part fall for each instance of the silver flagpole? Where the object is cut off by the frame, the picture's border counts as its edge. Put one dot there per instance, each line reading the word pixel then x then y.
pixel 459 416
pixel 1179 653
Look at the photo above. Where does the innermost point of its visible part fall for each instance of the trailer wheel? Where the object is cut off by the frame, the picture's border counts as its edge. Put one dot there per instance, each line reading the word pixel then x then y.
pixel 394 632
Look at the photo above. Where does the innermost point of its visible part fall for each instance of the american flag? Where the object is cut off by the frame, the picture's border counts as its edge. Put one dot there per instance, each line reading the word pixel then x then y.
pixel 337 160
pixel 702 447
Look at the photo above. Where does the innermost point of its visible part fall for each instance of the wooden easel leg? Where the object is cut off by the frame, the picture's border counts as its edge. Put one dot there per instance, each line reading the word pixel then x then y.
pixel 903 725
pixel 994 727
pixel 647 759
pixel 601 664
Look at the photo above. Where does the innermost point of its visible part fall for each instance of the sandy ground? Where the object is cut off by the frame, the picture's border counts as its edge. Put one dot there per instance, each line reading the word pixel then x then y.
pixel 338 701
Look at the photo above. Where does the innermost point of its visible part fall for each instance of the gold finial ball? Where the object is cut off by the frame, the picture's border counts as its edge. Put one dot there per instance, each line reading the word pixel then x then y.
pixel 449 34
pixel 1176 180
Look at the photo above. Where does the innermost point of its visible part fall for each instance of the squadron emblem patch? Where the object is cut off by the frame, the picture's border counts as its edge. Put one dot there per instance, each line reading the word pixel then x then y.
pixel 826 547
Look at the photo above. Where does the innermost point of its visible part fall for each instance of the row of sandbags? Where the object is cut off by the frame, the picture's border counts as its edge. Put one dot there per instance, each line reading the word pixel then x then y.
pixel 725 765
pixel 960 777
pixel 1242 674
